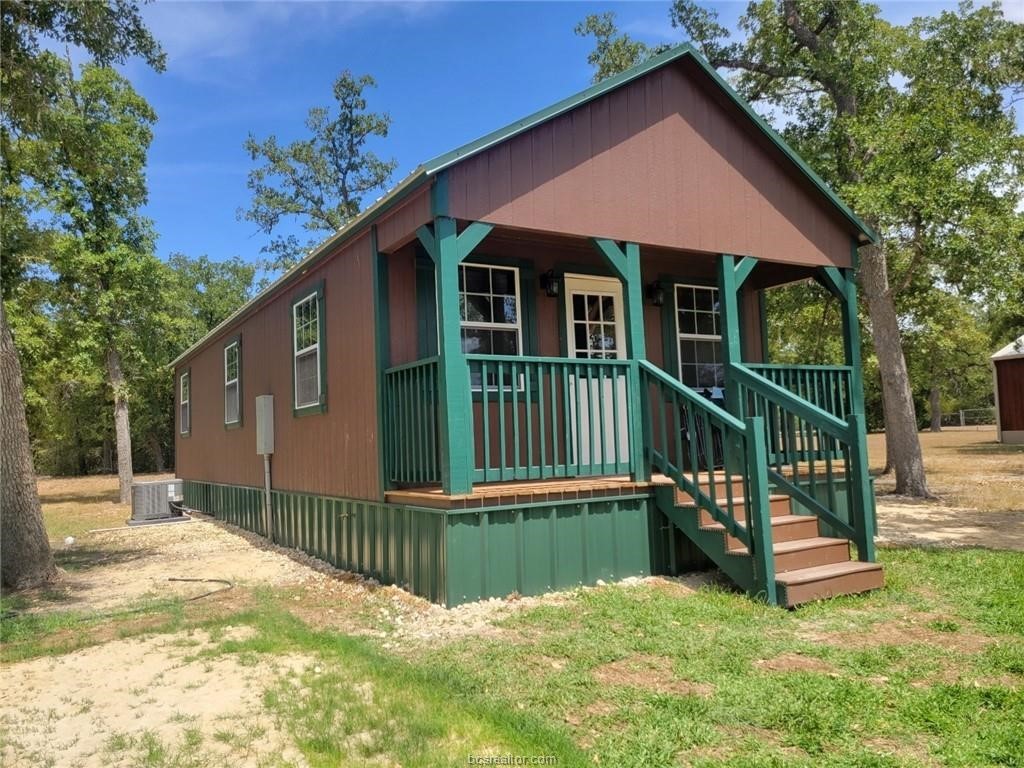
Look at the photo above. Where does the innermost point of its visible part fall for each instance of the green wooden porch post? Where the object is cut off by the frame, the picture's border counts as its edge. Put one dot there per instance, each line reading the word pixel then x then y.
pixel 448 249
pixel 626 265
pixel 843 285
pixel 729 317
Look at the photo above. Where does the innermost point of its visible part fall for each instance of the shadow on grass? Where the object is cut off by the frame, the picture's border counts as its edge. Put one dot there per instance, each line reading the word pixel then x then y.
pixel 992 448
pixel 82 559
pixel 77 498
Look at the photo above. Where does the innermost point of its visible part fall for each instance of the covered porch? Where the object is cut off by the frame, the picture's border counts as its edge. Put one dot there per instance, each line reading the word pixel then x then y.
pixel 521 364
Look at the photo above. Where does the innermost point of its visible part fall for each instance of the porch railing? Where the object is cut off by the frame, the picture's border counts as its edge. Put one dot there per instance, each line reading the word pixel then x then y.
pixel 541 417
pixel 822 464
pixel 829 387
pixel 411 443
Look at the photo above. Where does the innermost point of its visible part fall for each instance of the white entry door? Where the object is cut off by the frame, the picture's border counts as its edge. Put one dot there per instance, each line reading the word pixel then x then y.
pixel 596 331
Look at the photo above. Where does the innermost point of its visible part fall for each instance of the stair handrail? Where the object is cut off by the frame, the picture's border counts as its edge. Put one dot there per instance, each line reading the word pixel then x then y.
pixel 744 454
pixel 849 432
pixel 831 425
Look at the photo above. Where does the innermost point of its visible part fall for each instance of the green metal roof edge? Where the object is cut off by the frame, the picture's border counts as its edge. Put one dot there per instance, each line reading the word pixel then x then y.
pixel 452 157
pixel 448 159
pixel 411 182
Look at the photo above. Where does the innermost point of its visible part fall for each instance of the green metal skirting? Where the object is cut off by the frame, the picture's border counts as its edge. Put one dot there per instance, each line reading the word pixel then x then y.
pixel 457 557
pixel 392 544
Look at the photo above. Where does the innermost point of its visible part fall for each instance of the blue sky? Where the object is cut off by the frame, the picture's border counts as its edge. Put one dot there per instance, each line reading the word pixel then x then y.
pixel 446 72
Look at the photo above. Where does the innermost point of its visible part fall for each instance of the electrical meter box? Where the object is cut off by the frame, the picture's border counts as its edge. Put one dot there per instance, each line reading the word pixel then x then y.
pixel 265 424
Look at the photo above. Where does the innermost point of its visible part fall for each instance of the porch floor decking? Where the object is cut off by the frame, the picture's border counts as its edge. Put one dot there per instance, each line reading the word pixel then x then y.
pixel 525 492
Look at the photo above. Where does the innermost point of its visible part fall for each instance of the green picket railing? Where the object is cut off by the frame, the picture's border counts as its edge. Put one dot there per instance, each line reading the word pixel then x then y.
pixel 830 387
pixel 411 439
pixel 820 459
pixel 543 417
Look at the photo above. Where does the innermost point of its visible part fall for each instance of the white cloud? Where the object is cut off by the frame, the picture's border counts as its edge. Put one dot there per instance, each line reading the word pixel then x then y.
pixel 197 34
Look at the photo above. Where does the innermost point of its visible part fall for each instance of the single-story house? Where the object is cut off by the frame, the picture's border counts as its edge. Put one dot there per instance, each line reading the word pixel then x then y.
pixel 539 362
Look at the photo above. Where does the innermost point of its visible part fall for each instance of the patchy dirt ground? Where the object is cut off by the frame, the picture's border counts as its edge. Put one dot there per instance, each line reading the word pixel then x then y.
pixel 110 569
pixel 107 705
pixel 906 522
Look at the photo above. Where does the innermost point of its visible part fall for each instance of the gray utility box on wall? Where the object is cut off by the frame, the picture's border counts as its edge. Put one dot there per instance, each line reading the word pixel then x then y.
pixel 151 502
pixel 264 425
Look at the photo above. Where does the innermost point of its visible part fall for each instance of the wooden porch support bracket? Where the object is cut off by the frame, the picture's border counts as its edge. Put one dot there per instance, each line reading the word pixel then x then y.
pixel 731 276
pixel 625 263
pixel 447 248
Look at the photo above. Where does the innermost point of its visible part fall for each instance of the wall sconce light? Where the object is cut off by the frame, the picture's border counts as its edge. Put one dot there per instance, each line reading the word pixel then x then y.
pixel 656 294
pixel 549 284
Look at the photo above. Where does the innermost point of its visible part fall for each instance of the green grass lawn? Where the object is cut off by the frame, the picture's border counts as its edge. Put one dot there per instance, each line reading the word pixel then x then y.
pixel 929 671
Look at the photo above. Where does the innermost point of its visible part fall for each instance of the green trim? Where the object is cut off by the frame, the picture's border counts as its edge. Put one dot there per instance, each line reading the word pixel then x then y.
pixel 728 308
pixel 236 339
pixel 743 269
pixel 625 263
pixel 456 417
pixel 300 296
pixel 177 399
pixel 382 333
pixel 762 316
pixel 439 197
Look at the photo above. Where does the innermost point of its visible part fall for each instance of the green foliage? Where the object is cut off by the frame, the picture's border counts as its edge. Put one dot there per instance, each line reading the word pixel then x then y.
pixel 320 181
pixel 613 51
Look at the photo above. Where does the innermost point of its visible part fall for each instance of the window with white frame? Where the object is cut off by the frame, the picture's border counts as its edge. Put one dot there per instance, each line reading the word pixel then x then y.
pixel 490 312
pixel 699 336
pixel 306 349
pixel 232 383
pixel 185 402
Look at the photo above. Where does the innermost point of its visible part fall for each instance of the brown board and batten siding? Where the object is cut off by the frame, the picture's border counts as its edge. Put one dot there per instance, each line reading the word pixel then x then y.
pixel 331 453
pixel 659 161
pixel 1010 386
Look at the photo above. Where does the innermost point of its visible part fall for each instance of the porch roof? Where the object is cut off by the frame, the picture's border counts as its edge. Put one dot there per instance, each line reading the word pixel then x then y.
pixel 424 173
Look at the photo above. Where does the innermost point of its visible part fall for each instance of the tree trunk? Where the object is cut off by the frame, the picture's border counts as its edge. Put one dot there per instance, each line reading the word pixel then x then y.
pixel 935 405
pixel 108 456
pixel 25 556
pixel 115 377
pixel 900 419
pixel 157 451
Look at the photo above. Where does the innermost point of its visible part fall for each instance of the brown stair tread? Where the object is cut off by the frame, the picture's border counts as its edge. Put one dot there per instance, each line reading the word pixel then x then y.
pixel 783 547
pixel 737 502
pixel 776 520
pixel 821 572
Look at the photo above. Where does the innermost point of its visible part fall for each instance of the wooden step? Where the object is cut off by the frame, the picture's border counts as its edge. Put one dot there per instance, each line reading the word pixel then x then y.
pixel 805 553
pixel 784 528
pixel 778 506
pixel 721 486
pixel 823 581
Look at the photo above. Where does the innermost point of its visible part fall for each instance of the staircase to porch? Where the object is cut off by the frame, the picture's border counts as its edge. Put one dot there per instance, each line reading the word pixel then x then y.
pixel 808 566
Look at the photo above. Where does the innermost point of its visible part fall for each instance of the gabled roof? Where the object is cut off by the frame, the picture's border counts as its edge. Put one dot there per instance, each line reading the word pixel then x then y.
pixel 425 172
pixel 1011 351
pixel 607 85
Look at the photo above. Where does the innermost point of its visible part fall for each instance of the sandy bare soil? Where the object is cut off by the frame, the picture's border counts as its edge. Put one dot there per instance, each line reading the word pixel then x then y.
pixel 107 705
pixel 109 569
pixel 910 523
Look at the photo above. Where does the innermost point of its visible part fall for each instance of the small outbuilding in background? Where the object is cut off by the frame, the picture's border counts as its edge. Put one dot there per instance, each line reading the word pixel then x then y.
pixel 1008 372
